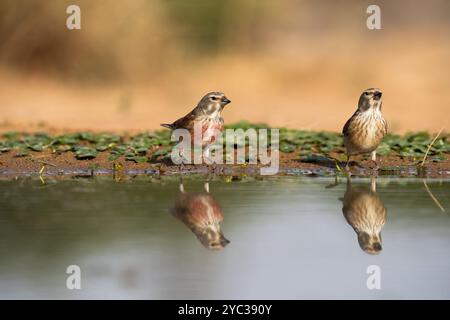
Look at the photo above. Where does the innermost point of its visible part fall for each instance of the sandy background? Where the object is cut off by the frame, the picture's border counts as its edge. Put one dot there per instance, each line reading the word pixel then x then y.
pixel 301 64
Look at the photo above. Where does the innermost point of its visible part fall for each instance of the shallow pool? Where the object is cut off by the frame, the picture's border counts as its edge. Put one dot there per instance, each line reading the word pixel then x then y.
pixel 287 237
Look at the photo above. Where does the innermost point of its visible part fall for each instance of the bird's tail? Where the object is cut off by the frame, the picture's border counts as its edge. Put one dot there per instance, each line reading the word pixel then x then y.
pixel 167 125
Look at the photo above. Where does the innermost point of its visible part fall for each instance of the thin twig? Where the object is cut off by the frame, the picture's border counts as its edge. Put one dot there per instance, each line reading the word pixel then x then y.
pixel 429 147
pixel 45 163
pixel 433 197
pixel 36 159
pixel 336 163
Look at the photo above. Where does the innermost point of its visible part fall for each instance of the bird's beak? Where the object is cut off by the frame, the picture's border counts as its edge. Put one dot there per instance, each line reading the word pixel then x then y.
pixel 225 100
pixel 224 241
pixel 377 95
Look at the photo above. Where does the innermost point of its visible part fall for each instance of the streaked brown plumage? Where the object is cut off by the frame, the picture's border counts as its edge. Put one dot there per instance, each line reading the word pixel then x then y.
pixel 366 128
pixel 208 114
pixel 202 214
pixel 365 212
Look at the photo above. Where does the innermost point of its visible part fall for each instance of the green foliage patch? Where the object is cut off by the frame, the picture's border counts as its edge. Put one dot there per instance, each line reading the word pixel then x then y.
pixel 150 146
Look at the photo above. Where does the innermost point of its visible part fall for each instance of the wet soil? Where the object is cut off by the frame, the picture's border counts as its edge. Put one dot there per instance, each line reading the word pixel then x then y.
pixel 47 163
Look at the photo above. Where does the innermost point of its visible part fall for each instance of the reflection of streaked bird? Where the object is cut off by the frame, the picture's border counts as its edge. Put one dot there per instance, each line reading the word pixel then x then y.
pixel 201 213
pixel 365 212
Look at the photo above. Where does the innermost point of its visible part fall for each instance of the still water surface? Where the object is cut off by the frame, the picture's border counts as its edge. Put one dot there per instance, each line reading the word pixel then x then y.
pixel 275 238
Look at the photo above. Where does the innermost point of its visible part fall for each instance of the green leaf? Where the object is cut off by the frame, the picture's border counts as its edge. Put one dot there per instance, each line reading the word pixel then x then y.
pixel 88 136
pixel 36 147
pixel 68 139
pixel 287 148
pixel 21 153
pixel 314 158
pixel 63 148
pixel 383 149
pixel 113 157
pixel 4 147
pixel 10 135
pixel 160 152
pixel 101 147
pixel 85 153
pixel 119 150
pixel 438 158
pixel 140 159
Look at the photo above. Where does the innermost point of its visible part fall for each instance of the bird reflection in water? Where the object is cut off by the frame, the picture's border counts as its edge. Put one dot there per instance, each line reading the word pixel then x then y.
pixel 365 212
pixel 201 213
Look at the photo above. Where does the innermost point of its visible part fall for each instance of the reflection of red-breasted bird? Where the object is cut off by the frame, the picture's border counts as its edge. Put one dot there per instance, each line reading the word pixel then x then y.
pixel 365 212
pixel 202 214
pixel 366 128
pixel 207 114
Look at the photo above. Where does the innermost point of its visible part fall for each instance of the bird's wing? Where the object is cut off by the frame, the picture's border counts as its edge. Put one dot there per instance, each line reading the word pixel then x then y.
pixel 346 129
pixel 187 121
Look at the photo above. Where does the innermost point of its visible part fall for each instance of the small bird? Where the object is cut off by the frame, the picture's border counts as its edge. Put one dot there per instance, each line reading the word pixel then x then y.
pixel 208 114
pixel 365 212
pixel 366 128
pixel 202 214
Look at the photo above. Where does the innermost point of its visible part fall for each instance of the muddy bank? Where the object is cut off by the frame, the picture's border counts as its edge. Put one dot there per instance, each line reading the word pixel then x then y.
pixel 47 163
pixel 314 153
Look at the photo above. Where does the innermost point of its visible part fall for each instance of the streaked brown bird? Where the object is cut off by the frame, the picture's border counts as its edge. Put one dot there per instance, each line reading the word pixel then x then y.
pixel 207 113
pixel 366 128
pixel 365 212
pixel 202 214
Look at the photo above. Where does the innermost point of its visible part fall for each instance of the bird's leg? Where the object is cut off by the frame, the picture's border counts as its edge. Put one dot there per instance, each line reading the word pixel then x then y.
pixel 182 161
pixel 207 155
pixel 209 162
pixel 349 183
pixel 373 184
pixel 181 186
pixel 374 159
pixel 336 183
pixel 178 157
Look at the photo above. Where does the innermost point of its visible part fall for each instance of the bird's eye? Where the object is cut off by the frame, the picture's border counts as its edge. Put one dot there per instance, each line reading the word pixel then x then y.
pixel 366 93
pixel 214 98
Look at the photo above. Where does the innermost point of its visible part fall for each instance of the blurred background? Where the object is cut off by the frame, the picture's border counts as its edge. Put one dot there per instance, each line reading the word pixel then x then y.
pixel 301 64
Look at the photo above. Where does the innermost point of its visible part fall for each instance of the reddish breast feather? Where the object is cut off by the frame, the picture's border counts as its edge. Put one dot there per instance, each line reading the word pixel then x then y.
pixel 211 130
pixel 203 209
